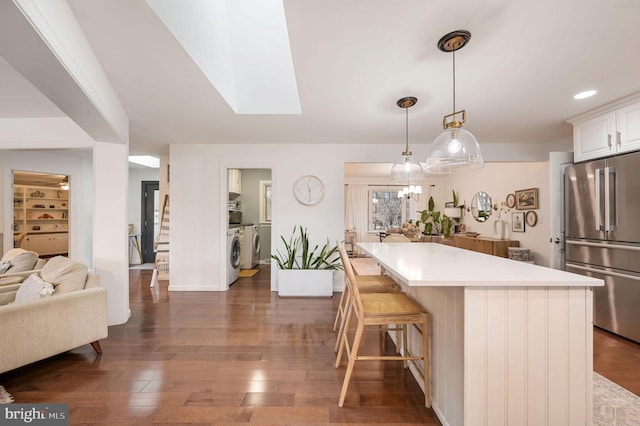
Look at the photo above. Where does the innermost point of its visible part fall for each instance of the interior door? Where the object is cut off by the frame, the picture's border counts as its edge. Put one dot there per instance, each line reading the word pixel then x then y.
pixel 150 219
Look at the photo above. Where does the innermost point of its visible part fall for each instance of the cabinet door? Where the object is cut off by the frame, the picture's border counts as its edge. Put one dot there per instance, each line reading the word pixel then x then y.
pixel 628 127
pixel 38 243
pixel 235 181
pixel 594 138
pixel 60 243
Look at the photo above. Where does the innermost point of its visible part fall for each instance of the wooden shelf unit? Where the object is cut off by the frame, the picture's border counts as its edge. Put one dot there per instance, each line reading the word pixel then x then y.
pixel 41 218
pixel 484 244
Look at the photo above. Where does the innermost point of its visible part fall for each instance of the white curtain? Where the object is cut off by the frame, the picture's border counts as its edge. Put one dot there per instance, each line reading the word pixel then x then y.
pixel 356 210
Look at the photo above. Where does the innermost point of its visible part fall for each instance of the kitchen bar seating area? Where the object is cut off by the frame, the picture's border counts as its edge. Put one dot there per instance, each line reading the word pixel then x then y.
pixel 386 312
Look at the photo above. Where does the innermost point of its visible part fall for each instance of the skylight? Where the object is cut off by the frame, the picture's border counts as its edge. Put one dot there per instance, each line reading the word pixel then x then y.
pixel 242 47
pixel 145 160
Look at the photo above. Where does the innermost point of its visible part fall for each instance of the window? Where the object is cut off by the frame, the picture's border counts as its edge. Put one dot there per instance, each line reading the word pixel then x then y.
pixel 265 201
pixel 386 210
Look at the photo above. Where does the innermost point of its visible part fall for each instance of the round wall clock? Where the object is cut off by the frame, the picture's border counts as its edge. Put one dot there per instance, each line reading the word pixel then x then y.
pixel 511 200
pixel 531 218
pixel 309 190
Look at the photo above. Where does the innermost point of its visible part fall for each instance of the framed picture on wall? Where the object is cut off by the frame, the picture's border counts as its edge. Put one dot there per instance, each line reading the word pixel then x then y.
pixel 527 199
pixel 517 222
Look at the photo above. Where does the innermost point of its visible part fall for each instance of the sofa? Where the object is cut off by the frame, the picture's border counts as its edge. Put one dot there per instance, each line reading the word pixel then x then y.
pixel 52 311
pixel 17 264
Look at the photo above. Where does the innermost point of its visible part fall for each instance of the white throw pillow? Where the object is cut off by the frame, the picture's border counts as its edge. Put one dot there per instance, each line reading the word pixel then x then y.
pixel 4 265
pixel 33 288
pixel 24 261
pixel 65 274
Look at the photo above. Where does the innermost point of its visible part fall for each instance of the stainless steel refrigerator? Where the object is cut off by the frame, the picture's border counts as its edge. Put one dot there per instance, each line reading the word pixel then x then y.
pixel 602 237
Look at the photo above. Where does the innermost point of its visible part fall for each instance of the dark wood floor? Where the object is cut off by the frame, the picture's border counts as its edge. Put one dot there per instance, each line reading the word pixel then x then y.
pixel 242 356
pixel 209 358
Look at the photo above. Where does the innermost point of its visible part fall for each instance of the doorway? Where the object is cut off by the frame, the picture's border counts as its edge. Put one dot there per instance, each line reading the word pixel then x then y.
pixel 150 219
pixel 41 212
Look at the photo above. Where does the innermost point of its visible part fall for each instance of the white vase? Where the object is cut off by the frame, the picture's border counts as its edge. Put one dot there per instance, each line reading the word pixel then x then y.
pixel 498 229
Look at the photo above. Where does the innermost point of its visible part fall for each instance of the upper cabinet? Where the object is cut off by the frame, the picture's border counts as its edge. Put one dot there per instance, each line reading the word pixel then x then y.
pixel 607 132
pixel 235 182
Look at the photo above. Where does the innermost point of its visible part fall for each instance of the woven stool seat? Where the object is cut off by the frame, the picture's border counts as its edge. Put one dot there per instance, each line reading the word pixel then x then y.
pixel 387 304
pixel 395 310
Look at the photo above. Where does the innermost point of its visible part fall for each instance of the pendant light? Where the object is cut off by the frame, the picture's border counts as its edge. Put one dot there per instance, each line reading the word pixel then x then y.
pixel 407 170
pixel 455 149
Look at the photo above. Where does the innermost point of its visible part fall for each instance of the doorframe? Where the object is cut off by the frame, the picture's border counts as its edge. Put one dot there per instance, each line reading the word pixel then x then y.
pixel 558 162
pixel 146 219
pixel 224 211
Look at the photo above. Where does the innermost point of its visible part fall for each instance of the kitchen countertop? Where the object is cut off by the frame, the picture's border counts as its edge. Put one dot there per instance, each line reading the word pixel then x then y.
pixel 442 265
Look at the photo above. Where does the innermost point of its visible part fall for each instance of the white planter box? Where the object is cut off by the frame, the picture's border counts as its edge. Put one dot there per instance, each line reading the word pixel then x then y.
pixel 305 282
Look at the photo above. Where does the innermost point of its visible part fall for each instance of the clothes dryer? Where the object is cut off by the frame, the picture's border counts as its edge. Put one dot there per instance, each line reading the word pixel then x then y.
pixel 251 252
pixel 233 255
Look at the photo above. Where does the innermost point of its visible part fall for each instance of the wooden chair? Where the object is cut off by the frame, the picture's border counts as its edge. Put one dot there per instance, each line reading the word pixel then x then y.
pixel 396 238
pixel 366 284
pixel 393 310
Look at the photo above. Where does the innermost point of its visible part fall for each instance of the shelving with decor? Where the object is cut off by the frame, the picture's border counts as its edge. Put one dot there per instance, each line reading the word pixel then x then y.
pixel 41 217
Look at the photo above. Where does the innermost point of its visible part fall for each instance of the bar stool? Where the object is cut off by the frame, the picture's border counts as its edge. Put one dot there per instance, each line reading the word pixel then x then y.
pixel 366 284
pixel 393 310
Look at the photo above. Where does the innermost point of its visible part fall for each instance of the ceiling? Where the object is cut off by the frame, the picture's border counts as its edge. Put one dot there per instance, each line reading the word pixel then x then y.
pixel 354 59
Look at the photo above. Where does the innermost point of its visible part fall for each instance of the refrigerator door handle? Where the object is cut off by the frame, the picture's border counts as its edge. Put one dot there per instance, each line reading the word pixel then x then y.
pixel 607 210
pixel 611 206
pixel 598 201
pixel 604 272
pixel 601 245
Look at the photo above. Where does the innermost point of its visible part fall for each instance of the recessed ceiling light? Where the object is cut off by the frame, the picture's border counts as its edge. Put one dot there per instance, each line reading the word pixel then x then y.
pixel 584 95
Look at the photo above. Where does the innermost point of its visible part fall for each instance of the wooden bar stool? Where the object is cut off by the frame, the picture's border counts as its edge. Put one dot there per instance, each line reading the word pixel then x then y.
pixel 393 310
pixel 366 284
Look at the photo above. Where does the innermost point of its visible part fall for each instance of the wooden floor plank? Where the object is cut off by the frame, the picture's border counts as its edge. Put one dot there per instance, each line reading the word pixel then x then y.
pixel 242 356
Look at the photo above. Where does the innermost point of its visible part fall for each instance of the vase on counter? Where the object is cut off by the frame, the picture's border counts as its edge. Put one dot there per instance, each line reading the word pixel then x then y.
pixel 498 229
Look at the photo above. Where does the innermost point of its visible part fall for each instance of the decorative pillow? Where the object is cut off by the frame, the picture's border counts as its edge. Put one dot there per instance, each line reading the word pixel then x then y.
pixel 65 274
pixel 24 261
pixel 12 253
pixel 4 265
pixel 33 288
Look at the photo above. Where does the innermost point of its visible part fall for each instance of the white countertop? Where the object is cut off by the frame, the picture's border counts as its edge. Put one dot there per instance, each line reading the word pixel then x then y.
pixel 433 264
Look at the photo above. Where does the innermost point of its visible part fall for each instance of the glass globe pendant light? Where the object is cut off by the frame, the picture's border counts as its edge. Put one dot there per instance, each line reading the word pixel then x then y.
pixel 407 170
pixel 455 149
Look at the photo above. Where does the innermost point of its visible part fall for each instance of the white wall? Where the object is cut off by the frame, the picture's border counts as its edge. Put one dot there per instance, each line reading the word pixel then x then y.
pixel 198 209
pixel 498 180
pixel 110 233
pixel 80 171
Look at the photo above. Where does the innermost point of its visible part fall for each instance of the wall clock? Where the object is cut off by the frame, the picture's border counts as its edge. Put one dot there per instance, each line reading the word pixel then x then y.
pixel 308 190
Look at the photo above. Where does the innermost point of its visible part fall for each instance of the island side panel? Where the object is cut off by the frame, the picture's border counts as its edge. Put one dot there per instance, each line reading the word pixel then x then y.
pixel 445 306
pixel 528 355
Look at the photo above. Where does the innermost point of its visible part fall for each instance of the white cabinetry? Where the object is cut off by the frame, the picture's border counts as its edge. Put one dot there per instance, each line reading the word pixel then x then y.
pixel 46 244
pixel 40 219
pixel 605 133
pixel 235 181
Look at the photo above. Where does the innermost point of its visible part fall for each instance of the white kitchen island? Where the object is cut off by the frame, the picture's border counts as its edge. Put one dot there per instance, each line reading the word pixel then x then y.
pixel 511 342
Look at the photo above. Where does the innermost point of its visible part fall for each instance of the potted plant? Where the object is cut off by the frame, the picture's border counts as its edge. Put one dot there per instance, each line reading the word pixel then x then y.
pixel 303 271
pixel 436 223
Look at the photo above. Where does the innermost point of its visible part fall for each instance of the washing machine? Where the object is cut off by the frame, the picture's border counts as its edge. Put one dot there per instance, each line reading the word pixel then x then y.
pixel 251 252
pixel 233 255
